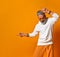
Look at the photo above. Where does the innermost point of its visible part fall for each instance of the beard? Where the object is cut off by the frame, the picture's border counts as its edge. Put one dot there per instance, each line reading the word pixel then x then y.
pixel 42 19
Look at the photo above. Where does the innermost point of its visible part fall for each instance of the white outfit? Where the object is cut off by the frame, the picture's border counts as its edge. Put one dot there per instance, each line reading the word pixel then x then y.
pixel 45 30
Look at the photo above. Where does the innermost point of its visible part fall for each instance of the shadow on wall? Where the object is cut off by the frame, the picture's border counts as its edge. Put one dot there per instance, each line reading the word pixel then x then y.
pixel 56 39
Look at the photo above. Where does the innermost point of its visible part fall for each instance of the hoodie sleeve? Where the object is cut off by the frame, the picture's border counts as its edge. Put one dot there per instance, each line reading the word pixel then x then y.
pixel 34 33
pixel 54 18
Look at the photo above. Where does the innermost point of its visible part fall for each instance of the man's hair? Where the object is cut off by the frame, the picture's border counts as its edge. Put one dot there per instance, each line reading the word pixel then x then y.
pixel 39 12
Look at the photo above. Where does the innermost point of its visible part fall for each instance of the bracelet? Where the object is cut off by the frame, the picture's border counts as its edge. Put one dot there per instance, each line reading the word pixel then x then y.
pixel 49 12
pixel 27 35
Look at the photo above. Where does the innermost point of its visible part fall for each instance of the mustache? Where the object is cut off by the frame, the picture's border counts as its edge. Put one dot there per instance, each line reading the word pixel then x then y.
pixel 41 18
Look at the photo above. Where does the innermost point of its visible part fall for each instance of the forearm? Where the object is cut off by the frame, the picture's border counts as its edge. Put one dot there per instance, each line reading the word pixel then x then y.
pixel 53 14
pixel 50 12
pixel 45 10
pixel 30 34
pixel 26 34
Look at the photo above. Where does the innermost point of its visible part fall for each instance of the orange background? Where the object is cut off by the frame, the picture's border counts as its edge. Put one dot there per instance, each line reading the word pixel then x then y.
pixel 20 16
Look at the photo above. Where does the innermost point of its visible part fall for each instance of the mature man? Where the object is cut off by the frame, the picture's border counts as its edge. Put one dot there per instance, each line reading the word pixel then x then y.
pixel 45 28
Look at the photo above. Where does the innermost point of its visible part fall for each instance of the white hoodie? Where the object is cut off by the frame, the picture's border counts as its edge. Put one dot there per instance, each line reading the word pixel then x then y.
pixel 45 30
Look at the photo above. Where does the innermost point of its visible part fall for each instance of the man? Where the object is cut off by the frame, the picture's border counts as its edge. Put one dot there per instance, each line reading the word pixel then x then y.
pixel 45 28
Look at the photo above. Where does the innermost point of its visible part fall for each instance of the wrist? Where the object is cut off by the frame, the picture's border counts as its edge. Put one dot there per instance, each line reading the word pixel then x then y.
pixel 49 12
pixel 27 35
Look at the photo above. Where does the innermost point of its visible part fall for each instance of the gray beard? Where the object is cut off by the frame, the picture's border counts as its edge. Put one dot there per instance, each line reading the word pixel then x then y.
pixel 44 22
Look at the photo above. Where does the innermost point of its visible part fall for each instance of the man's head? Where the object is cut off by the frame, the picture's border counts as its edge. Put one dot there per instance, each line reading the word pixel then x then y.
pixel 41 15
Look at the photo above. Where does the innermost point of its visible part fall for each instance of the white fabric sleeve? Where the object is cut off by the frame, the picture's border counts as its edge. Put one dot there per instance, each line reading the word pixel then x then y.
pixel 54 18
pixel 34 33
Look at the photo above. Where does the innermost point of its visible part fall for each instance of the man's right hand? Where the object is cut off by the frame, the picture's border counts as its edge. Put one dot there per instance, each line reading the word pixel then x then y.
pixel 21 34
